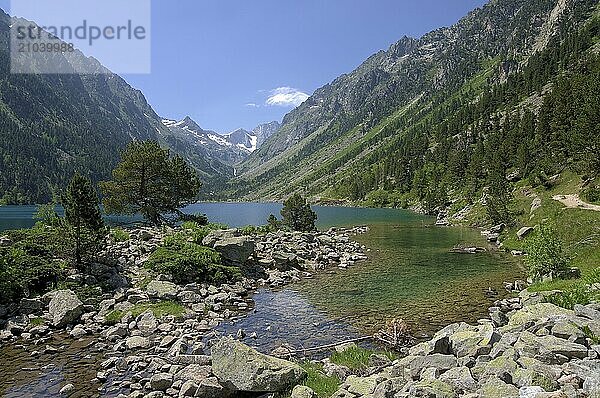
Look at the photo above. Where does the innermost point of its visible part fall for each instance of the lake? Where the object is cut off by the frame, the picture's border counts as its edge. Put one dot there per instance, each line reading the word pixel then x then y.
pixel 235 215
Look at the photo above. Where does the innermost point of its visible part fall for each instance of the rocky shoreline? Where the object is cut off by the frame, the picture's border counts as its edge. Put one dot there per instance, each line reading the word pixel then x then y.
pixel 137 347
pixel 527 348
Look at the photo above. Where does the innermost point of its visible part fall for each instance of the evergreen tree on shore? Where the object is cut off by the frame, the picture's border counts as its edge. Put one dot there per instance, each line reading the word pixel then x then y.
pixel 149 182
pixel 297 214
pixel 83 219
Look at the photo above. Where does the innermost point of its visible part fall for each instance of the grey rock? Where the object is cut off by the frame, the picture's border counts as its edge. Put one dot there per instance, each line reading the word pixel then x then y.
pixel 137 342
pixel 65 308
pixel 241 368
pixel 524 232
pixel 303 392
pixel 147 323
pixel 188 389
pixel 195 373
pixel 162 289
pixel 460 379
pixel 413 365
pixel 235 250
pixel 67 390
pixel 161 381
pixel 78 332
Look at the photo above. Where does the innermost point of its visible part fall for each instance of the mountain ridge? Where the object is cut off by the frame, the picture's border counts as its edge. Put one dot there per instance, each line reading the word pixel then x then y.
pixel 489 44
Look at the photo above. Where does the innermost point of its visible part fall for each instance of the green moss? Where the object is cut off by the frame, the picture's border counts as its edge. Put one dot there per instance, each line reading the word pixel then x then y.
pixel 37 321
pixel 160 309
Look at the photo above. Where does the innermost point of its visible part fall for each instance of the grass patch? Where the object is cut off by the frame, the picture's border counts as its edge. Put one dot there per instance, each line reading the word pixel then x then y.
pixel 159 310
pixel 357 358
pixel 37 321
pixel 324 386
pixel 114 317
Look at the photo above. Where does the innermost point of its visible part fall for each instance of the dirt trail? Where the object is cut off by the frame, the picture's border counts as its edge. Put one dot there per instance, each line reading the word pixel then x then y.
pixel 574 202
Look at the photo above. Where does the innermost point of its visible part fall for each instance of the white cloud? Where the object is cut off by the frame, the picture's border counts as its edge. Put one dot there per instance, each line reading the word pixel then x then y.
pixel 286 96
pixel 252 105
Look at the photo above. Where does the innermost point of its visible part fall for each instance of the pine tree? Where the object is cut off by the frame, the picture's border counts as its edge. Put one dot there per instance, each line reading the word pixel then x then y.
pixel 298 215
pixel 83 218
pixel 149 182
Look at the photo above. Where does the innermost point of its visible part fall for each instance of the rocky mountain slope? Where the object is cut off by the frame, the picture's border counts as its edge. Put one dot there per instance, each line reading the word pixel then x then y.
pixel 349 126
pixel 228 149
pixel 52 125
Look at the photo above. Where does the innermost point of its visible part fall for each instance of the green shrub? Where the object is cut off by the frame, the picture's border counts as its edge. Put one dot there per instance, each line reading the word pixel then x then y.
pixel 188 262
pixel 192 232
pixel 119 235
pixel 545 254
pixel 37 321
pixel 592 194
pixel 250 230
pixel 28 267
pixel 568 298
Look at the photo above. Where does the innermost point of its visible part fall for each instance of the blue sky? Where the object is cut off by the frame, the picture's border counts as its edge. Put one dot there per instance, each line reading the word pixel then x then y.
pixel 220 61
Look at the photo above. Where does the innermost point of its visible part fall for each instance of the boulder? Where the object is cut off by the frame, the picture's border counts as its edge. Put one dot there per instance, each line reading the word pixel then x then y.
pixel 549 349
pixel 162 289
pixel 524 232
pixel 285 261
pixel 496 388
pixel 431 388
pixel 64 308
pixel 362 385
pixel 472 341
pixel 147 323
pixel 137 342
pixel 194 372
pixel 303 392
pixel 241 368
pixel 460 379
pixel 161 381
pixel 235 250
pixel 536 312
pixel 411 366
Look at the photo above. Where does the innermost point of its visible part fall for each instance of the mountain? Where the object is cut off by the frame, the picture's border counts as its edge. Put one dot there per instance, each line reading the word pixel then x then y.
pixel 417 109
pixel 229 149
pixel 264 131
pixel 53 125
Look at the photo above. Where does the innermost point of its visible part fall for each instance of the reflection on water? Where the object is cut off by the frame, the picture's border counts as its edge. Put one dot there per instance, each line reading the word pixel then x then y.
pixel 237 215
